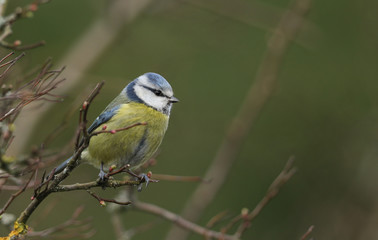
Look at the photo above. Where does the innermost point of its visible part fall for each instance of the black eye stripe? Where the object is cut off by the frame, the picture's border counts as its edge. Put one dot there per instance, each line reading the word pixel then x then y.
pixel 155 91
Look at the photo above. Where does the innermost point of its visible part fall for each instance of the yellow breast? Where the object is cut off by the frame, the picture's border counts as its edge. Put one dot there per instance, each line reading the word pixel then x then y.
pixel 133 146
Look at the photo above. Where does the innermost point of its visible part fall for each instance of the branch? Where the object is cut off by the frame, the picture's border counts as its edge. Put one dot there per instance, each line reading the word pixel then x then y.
pixel 180 221
pixel 7 22
pixel 175 178
pixel 284 176
pixel 81 226
pixel 15 195
pixel 85 186
pixel 10 63
pixel 103 200
pixel 308 232
pixel 37 89
pixel 83 115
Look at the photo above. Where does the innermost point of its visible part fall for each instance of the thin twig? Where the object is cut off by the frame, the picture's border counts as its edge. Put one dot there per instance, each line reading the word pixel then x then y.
pixel 84 225
pixel 175 178
pixel 308 232
pixel 22 47
pixel 284 176
pixel 103 200
pixel 220 216
pixel 10 63
pixel 180 221
pixel 15 195
pixel 83 115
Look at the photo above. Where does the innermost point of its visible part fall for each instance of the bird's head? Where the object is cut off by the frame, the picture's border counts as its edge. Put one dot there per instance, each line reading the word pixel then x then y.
pixel 152 90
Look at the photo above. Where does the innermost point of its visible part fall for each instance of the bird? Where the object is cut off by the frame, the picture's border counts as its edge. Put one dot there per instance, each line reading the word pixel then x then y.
pixel 147 99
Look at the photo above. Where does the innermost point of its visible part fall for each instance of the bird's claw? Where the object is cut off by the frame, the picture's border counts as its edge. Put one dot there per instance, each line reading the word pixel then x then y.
pixel 143 178
pixel 102 175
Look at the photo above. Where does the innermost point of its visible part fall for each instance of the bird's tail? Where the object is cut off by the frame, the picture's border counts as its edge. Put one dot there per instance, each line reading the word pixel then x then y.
pixel 59 168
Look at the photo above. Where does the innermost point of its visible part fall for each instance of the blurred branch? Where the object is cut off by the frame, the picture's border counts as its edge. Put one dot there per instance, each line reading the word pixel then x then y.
pixel 180 221
pixel 273 190
pixel 81 228
pixel 10 63
pixel 7 21
pixel 174 178
pixel 308 232
pixel 38 89
pixel 15 195
pixel 256 98
pixel 121 233
pixel 14 96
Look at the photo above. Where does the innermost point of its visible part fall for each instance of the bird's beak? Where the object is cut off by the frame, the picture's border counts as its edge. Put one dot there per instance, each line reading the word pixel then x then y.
pixel 173 100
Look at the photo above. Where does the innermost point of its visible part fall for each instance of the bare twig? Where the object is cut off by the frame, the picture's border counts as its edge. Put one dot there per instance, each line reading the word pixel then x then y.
pixel 308 232
pixel 232 223
pixel 123 234
pixel 175 178
pixel 273 190
pixel 258 94
pixel 103 200
pixel 83 115
pixel 81 226
pixel 220 216
pixel 15 195
pixel 181 222
pixel 10 63
pixel 7 21
pixel 17 47
pixel 37 89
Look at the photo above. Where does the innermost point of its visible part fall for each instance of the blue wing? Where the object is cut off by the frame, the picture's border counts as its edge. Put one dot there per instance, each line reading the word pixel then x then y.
pixel 103 118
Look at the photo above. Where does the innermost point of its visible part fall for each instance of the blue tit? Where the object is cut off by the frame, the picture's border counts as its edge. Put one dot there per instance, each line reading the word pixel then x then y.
pixel 147 99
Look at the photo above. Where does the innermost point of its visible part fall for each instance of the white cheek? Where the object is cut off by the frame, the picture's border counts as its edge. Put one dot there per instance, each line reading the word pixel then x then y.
pixel 150 98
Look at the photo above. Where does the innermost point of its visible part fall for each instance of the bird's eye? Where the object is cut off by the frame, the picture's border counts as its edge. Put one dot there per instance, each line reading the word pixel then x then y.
pixel 158 93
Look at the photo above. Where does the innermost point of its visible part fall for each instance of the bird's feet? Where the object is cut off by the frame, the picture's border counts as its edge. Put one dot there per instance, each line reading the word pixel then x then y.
pixel 143 178
pixel 103 176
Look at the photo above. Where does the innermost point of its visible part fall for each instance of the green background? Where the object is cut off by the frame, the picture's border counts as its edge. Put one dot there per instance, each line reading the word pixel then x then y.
pixel 323 110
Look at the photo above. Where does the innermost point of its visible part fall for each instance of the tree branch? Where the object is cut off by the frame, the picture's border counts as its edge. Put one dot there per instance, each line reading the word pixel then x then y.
pixel 180 221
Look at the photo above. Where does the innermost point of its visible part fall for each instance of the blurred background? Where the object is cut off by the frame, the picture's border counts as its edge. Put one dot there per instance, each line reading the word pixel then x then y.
pixel 323 109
